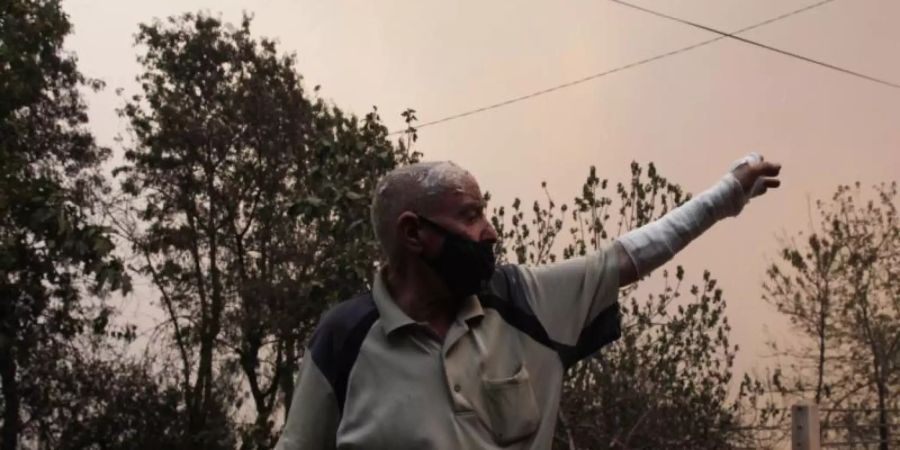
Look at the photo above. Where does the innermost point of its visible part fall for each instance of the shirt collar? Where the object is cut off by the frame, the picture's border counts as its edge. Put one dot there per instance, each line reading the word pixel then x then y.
pixel 393 318
pixel 471 308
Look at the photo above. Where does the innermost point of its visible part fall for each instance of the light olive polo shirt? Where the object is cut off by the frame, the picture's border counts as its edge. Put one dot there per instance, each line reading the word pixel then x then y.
pixel 373 378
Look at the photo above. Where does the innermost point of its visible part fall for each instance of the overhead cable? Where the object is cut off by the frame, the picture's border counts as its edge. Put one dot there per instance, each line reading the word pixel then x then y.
pixel 759 44
pixel 612 71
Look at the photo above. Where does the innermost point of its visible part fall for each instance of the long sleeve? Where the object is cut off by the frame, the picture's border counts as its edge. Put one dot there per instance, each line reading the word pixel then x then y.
pixel 313 418
pixel 653 244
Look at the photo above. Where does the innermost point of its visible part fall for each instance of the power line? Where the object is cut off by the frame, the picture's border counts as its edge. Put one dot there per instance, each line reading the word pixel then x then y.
pixel 562 86
pixel 761 45
pixel 611 71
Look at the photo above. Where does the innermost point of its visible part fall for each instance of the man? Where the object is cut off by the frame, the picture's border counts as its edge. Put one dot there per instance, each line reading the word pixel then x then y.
pixel 449 352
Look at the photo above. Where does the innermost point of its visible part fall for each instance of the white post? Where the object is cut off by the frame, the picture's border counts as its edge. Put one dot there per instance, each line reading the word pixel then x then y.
pixel 805 426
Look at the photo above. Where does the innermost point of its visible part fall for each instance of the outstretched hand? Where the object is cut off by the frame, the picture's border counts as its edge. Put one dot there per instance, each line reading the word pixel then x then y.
pixel 648 247
pixel 756 175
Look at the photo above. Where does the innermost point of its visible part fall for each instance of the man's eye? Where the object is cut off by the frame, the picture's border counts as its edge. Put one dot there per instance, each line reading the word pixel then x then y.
pixel 473 214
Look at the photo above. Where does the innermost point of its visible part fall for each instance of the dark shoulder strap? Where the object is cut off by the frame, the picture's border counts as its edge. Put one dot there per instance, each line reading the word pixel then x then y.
pixel 506 294
pixel 338 339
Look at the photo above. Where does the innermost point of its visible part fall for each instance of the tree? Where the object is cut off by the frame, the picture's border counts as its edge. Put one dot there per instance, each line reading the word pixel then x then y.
pixel 668 381
pixel 840 289
pixel 250 212
pixel 56 259
pixel 97 397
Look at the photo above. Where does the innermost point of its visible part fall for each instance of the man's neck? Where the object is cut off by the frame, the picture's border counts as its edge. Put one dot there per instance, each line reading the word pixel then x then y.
pixel 422 297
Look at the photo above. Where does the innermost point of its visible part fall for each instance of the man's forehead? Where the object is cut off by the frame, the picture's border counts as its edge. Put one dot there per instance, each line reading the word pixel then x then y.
pixel 466 188
pixel 463 193
pixel 467 185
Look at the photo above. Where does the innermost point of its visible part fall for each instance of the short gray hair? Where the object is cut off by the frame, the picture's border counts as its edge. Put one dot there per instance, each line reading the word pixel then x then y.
pixel 410 188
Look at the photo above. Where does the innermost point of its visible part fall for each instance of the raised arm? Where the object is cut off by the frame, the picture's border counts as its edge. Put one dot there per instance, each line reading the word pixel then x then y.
pixel 641 250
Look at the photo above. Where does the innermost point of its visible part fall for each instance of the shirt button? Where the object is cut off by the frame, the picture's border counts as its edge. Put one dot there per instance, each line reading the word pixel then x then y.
pixel 457 388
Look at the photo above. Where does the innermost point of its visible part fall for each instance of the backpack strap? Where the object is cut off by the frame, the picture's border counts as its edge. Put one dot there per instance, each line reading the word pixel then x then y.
pixel 338 339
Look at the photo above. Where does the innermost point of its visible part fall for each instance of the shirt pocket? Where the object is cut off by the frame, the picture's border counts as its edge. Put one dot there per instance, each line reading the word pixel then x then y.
pixel 511 408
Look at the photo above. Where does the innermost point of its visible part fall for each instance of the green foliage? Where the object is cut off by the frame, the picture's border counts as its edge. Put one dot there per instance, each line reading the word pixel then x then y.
pixel 839 287
pixel 53 251
pixel 106 402
pixel 668 382
pixel 249 211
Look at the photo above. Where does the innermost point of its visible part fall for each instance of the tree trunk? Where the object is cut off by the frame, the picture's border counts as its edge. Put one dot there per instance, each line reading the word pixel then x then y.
pixel 565 426
pixel 820 382
pixel 884 434
pixel 213 321
pixel 290 369
pixel 197 408
pixel 9 436
pixel 824 304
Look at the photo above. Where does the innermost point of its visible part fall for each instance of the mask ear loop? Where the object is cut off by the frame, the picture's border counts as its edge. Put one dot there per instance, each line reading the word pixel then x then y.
pixel 434 225
pixel 445 232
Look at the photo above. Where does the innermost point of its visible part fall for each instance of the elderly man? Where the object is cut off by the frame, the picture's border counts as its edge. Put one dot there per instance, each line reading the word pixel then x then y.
pixel 449 352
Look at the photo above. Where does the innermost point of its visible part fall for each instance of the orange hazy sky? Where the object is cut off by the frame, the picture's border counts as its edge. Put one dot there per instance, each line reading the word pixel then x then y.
pixel 691 114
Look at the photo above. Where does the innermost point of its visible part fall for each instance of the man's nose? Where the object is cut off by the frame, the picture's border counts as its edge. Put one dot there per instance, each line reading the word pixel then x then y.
pixel 489 233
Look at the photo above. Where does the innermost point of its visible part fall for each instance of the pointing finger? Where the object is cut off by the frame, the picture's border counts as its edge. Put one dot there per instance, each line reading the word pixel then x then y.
pixel 768 169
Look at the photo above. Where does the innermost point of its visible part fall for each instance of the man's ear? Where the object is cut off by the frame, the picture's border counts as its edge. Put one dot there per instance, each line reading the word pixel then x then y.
pixel 408 235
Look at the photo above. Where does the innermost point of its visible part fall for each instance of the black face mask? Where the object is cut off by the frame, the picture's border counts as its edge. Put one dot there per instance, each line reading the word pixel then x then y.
pixel 465 265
